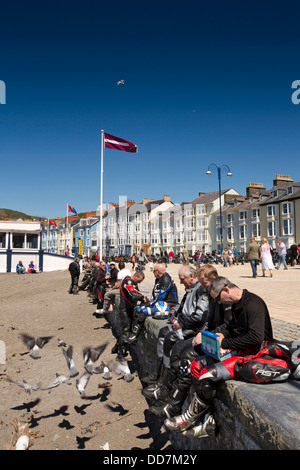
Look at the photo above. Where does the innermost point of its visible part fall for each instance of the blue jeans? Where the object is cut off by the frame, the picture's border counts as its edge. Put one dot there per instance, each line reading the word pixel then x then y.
pixel 254 264
pixel 281 259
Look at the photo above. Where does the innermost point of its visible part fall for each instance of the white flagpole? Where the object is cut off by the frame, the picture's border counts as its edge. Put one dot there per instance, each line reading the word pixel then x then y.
pixel 101 195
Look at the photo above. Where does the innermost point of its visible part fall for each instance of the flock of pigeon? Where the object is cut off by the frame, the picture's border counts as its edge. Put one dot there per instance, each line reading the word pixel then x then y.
pixel 90 357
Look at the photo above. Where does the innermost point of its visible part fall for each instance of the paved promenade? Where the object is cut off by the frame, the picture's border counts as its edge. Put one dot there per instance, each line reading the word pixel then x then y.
pixel 281 293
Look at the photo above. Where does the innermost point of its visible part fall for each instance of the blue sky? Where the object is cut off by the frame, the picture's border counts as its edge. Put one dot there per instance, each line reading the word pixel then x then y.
pixel 205 82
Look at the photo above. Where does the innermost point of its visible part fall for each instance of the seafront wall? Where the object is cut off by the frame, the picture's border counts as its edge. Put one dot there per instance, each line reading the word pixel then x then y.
pixel 249 416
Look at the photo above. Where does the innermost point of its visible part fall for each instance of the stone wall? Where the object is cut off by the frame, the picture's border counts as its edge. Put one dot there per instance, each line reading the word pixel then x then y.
pixel 249 416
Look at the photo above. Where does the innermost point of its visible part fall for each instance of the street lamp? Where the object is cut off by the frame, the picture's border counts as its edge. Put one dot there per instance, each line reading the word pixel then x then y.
pixel 219 169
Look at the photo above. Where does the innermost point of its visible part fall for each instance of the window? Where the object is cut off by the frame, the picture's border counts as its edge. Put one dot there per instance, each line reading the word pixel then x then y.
pixel 230 233
pixel 18 240
pixel 287 227
pixel 243 231
pixel 272 228
pixel 243 215
pixel 289 190
pixel 2 239
pixel 255 213
pixel 271 211
pixel 137 228
pixel 255 230
pixel 287 208
pixel 230 218
pixel 32 240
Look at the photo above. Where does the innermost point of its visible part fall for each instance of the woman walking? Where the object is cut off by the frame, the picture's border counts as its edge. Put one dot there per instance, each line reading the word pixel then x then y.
pixel 266 258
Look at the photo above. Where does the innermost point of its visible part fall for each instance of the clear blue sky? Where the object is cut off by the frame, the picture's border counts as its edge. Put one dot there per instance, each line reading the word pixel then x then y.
pixel 205 82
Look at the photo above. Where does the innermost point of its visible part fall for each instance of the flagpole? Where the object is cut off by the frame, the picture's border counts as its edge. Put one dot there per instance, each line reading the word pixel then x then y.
pixel 101 196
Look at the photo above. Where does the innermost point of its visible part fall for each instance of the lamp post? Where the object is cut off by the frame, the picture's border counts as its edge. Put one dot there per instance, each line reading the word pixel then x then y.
pixel 219 169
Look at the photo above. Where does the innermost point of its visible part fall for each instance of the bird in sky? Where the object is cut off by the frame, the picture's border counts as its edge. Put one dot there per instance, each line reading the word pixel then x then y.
pixel 35 344
pixel 121 82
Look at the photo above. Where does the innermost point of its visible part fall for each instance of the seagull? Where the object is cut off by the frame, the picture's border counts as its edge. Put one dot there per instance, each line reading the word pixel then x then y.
pixel 56 382
pixel 70 361
pixel 35 344
pixel 91 355
pixel 27 387
pixel 82 382
pixel 121 82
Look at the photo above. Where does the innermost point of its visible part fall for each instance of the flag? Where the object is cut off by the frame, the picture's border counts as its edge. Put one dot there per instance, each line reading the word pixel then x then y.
pixel 72 209
pixel 111 142
pixel 52 223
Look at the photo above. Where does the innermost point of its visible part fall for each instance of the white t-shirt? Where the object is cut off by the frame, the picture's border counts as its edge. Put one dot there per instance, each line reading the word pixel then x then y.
pixel 123 273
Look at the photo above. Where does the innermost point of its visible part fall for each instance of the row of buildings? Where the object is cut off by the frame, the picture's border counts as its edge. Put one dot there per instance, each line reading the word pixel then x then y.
pixel 159 225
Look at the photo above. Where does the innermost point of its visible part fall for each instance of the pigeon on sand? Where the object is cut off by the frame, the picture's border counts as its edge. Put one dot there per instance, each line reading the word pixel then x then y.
pixel 35 344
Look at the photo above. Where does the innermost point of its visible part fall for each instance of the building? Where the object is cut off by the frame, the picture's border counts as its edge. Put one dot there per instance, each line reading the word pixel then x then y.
pixel 19 240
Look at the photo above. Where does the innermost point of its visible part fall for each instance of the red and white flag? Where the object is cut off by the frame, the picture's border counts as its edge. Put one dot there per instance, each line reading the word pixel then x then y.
pixel 111 142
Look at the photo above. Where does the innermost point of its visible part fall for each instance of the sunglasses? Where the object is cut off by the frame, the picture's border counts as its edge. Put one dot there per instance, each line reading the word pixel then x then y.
pixel 218 298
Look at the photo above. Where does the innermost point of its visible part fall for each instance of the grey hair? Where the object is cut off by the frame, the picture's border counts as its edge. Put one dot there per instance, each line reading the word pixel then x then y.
pixel 188 270
pixel 219 282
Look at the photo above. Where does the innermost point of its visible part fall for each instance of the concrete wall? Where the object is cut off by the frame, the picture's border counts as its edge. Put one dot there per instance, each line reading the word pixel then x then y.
pixel 249 416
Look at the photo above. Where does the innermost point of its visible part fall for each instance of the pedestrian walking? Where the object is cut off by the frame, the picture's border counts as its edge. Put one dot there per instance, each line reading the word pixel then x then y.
pixel 281 254
pixel 253 254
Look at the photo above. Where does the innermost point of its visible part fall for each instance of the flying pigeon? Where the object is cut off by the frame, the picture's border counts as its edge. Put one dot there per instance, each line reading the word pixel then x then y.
pixel 82 382
pixel 35 344
pixel 61 342
pixel 91 355
pixel 121 82
pixel 121 367
pixel 70 361
pixel 56 382
pixel 27 387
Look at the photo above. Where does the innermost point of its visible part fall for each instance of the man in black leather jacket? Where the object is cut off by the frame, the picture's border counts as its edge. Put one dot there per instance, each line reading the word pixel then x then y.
pixel 164 292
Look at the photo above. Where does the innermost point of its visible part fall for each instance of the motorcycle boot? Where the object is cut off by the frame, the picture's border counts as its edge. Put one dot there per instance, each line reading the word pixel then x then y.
pixel 189 418
pixel 162 389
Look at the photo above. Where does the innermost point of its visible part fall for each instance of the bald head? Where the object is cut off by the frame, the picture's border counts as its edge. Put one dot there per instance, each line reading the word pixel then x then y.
pixel 159 270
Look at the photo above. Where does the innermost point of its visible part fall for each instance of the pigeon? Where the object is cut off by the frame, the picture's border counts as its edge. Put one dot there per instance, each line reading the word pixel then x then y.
pixel 27 387
pixel 35 344
pixel 70 361
pixel 82 382
pixel 56 382
pixel 61 343
pixel 121 82
pixel 121 368
pixel 106 373
pixel 91 355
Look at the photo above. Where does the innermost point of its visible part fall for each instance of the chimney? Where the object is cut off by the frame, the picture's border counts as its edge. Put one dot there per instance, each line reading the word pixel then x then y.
pixel 129 203
pixel 282 180
pixel 254 189
pixel 167 198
